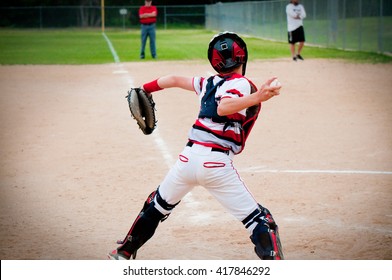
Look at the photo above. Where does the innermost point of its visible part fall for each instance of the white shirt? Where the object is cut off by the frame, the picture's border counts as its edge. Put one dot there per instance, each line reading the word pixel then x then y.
pixel 292 12
pixel 212 134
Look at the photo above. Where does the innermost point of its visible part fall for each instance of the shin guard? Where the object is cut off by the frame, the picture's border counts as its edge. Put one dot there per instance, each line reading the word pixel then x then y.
pixel 265 236
pixel 143 227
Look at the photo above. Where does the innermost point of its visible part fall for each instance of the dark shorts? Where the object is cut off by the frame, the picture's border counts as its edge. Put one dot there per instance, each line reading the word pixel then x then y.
pixel 297 35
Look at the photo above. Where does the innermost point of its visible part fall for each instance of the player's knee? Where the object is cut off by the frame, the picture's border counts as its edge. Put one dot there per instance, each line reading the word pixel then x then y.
pixel 162 205
pixel 155 209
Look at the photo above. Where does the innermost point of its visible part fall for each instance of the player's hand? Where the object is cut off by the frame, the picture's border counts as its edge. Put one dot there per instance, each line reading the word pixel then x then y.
pixel 268 91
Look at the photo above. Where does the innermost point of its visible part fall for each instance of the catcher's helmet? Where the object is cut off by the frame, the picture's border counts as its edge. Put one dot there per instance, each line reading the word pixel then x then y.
pixel 227 51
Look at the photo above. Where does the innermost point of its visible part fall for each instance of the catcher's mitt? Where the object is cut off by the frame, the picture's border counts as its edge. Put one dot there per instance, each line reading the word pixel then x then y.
pixel 142 108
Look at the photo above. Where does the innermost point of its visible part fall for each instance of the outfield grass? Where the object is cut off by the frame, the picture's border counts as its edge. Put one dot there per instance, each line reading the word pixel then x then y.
pixel 53 47
pixel 88 46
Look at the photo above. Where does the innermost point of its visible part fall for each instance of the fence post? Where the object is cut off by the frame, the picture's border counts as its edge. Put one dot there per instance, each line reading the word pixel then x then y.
pixel 164 17
pixel 283 21
pixel 316 31
pixel 103 15
pixel 360 26
pixel 333 28
pixel 344 24
pixel 381 28
pixel 40 17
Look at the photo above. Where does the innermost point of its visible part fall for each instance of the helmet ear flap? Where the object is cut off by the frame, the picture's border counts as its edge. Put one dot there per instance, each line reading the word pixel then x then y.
pixel 216 60
pixel 239 54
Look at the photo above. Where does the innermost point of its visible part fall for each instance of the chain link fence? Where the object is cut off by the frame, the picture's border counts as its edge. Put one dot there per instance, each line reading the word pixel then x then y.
pixel 190 16
pixel 347 24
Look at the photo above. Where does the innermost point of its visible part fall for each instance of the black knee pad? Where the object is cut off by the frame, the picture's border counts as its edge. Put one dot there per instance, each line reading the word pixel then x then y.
pixel 165 206
pixel 163 203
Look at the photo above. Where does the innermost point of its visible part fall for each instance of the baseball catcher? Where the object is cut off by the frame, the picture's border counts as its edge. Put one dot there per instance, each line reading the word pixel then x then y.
pixel 229 107
pixel 142 107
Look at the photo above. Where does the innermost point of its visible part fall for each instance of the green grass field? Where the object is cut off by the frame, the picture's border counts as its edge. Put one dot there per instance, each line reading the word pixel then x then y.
pixel 88 46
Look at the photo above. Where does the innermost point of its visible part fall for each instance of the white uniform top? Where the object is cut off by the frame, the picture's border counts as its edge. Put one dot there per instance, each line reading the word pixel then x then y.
pixel 292 12
pixel 212 134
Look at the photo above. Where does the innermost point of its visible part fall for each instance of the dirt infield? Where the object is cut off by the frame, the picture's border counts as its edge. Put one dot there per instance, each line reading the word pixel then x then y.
pixel 75 169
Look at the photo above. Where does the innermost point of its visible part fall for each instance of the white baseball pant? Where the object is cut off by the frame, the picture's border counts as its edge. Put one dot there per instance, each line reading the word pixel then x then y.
pixel 214 170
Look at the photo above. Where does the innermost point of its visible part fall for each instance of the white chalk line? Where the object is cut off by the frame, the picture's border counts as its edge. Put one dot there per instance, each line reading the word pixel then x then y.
pixel 262 169
pixel 163 148
pixel 113 51
pixel 160 143
pixel 337 223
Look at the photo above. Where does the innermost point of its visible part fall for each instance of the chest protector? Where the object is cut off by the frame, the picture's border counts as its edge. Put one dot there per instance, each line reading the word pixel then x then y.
pixel 209 104
pixel 209 109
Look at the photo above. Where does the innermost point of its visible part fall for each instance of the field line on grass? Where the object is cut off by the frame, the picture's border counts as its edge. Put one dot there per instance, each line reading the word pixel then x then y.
pixel 161 144
pixel 112 50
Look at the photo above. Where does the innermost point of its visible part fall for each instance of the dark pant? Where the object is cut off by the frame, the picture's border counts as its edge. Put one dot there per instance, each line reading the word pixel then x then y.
pixel 148 30
pixel 297 35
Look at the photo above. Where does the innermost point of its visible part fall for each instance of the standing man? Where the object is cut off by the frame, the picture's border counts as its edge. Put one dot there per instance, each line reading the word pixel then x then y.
pixel 296 34
pixel 148 17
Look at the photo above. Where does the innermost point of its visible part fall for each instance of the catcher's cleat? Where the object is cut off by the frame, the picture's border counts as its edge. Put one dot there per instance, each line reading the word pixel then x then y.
pixel 121 255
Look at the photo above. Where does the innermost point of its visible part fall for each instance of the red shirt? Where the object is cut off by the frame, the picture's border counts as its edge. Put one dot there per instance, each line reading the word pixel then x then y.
pixel 147 10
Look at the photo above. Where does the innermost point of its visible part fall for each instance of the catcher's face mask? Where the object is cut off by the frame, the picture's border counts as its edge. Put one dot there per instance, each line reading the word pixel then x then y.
pixel 227 51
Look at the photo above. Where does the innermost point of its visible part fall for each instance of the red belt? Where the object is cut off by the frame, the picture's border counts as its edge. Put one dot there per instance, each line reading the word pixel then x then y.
pixel 227 152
